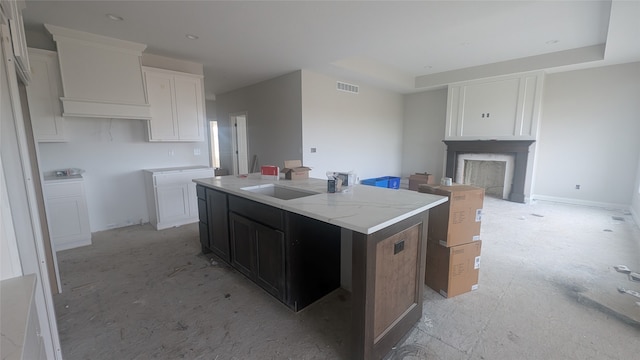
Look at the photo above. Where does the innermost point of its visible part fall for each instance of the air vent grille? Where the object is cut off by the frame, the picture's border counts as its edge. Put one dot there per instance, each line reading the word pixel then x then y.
pixel 354 89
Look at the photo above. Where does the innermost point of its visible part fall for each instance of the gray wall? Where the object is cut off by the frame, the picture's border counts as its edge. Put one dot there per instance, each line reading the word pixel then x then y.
pixel 351 132
pixel 589 135
pixel 274 120
pixel 424 128
pixel 589 131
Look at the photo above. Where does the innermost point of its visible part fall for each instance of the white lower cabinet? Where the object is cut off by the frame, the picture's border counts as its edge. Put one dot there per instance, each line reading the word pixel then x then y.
pixel 171 195
pixel 67 212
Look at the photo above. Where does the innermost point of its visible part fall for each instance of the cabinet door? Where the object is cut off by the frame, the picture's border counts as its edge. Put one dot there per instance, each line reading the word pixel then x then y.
pixel 217 219
pixel 189 110
pixel 68 221
pixel 270 266
pixel 43 94
pixel 163 125
pixel 173 203
pixel 243 254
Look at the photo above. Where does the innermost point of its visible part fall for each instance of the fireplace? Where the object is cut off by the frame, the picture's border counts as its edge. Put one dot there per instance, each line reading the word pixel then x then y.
pixel 519 149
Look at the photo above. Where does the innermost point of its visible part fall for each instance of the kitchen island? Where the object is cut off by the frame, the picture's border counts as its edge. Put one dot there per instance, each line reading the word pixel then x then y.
pixel 287 237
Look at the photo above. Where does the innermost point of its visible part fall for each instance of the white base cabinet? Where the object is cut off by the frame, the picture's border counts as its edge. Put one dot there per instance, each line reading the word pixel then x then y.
pixel 67 212
pixel 171 195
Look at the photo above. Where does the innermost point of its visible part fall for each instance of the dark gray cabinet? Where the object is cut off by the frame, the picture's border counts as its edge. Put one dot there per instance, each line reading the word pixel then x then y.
pixel 292 257
pixel 259 253
pixel 214 226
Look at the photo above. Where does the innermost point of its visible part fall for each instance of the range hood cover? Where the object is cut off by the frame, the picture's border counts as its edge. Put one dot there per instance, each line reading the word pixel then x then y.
pixel 101 76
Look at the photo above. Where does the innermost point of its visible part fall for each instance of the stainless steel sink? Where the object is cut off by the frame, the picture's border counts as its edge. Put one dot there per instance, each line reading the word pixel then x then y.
pixel 278 191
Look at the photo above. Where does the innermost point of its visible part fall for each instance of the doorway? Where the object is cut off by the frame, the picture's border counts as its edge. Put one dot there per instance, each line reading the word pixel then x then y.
pixel 238 123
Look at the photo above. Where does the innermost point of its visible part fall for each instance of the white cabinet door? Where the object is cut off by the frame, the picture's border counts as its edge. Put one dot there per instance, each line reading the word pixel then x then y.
pixel 163 124
pixel 173 203
pixel 177 106
pixel 188 94
pixel 43 94
pixel 171 195
pixel 67 214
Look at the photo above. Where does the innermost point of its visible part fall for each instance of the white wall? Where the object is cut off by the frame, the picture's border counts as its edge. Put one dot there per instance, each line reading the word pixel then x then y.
pixel 424 128
pixel 635 201
pixel 589 135
pixel 113 153
pixel 360 132
pixel 274 124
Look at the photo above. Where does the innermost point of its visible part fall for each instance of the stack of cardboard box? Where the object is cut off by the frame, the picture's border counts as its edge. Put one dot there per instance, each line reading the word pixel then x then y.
pixel 417 179
pixel 453 246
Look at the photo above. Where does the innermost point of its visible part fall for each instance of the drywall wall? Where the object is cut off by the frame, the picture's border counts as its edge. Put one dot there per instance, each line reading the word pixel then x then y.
pixel 113 152
pixel 274 124
pixel 589 135
pixel 350 132
pixel 635 201
pixel 424 127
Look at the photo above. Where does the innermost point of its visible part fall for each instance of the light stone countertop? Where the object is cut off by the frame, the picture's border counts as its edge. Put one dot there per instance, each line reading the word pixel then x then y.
pixel 16 295
pixel 178 169
pixel 361 208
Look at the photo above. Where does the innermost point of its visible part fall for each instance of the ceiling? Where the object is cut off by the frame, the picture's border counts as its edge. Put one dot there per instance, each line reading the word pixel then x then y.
pixel 402 46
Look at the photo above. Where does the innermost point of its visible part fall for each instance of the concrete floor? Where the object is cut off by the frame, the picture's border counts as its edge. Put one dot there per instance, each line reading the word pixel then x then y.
pixel 547 290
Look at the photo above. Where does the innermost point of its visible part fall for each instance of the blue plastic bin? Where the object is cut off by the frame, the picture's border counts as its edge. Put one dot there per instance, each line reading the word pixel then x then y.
pixel 393 182
pixel 379 182
pixel 390 182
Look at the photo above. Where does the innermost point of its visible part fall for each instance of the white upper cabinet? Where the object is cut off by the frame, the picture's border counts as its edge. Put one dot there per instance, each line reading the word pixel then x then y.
pixel 101 76
pixel 11 13
pixel 43 94
pixel 177 106
pixel 501 108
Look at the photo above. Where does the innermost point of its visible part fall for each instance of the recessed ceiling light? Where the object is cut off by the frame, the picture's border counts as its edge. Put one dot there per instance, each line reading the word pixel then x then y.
pixel 428 67
pixel 115 17
pixel 551 42
pixel 192 37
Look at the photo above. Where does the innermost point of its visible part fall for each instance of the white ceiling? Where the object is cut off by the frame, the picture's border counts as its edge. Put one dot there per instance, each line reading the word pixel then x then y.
pixel 403 46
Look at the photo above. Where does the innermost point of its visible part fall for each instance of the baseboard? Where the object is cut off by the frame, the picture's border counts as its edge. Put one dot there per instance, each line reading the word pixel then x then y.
pixel 583 202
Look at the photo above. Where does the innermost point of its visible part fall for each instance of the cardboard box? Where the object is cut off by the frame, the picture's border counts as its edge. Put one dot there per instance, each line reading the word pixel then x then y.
pixel 420 178
pixel 293 170
pixel 458 220
pixel 453 270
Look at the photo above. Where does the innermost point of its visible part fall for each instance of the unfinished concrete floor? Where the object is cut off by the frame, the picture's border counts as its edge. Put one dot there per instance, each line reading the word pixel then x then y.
pixel 547 290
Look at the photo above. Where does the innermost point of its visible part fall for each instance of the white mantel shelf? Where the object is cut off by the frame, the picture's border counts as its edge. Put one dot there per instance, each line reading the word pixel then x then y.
pixel 361 208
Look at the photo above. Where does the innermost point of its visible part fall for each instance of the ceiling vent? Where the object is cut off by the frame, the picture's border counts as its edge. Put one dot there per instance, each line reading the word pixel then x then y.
pixel 354 89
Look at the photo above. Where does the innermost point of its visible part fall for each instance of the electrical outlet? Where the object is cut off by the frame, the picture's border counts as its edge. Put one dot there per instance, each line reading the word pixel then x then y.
pixel 577 187
pixel 313 150
pixel 171 152
pixel 196 151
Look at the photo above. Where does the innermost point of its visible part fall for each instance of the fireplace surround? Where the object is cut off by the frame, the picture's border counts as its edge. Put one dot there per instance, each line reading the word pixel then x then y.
pixel 518 148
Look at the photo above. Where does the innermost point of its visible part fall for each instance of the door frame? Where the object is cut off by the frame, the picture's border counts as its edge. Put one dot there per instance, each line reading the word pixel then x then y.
pixel 240 142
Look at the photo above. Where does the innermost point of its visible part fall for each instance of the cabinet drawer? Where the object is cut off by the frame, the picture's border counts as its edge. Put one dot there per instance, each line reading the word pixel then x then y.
pixel 65 189
pixel 265 214
pixel 183 177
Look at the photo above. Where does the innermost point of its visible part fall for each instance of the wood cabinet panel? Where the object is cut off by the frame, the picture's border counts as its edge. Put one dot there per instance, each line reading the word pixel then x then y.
pixel 243 255
pixel 270 260
pixel 217 214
